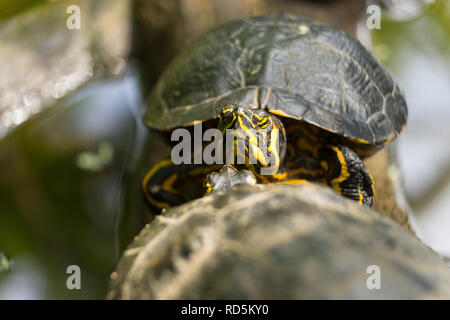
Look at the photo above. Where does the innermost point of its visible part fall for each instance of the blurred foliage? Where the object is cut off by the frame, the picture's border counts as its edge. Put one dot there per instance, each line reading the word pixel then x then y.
pixel 428 33
pixel 9 8
pixel 417 50
pixel 425 41
pixel 56 211
pixel 96 161
pixel 5 264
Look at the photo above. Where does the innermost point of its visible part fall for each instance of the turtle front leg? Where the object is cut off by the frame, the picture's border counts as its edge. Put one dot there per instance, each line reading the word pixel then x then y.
pixel 347 174
pixel 167 184
pixel 158 186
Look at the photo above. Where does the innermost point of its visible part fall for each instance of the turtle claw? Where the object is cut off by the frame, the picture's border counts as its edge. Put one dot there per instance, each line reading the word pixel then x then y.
pixel 226 178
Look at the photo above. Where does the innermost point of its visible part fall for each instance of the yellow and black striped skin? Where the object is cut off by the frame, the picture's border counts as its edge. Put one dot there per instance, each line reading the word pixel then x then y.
pixel 305 153
pixel 164 185
pixel 255 127
pixel 316 155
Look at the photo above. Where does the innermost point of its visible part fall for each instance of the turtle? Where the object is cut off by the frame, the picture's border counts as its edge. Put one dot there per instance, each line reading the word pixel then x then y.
pixel 228 177
pixel 318 98
pixel 277 241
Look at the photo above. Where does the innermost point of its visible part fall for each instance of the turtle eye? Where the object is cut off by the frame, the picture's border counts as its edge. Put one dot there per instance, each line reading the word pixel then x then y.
pixel 226 112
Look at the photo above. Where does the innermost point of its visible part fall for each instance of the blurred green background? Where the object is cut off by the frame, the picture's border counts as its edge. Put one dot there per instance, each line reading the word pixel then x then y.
pixel 417 51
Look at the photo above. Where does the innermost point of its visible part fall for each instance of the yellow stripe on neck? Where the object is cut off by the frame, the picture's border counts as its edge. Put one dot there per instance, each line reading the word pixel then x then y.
pixel 335 183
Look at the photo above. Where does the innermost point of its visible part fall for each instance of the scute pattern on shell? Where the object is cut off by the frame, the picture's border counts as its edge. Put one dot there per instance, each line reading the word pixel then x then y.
pixel 281 62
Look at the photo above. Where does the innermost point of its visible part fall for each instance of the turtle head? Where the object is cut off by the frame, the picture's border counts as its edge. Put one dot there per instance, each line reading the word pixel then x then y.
pixel 226 178
pixel 262 134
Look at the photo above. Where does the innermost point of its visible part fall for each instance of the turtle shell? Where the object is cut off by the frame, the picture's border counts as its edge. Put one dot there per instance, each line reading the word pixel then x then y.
pixel 320 246
pixel 289 66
